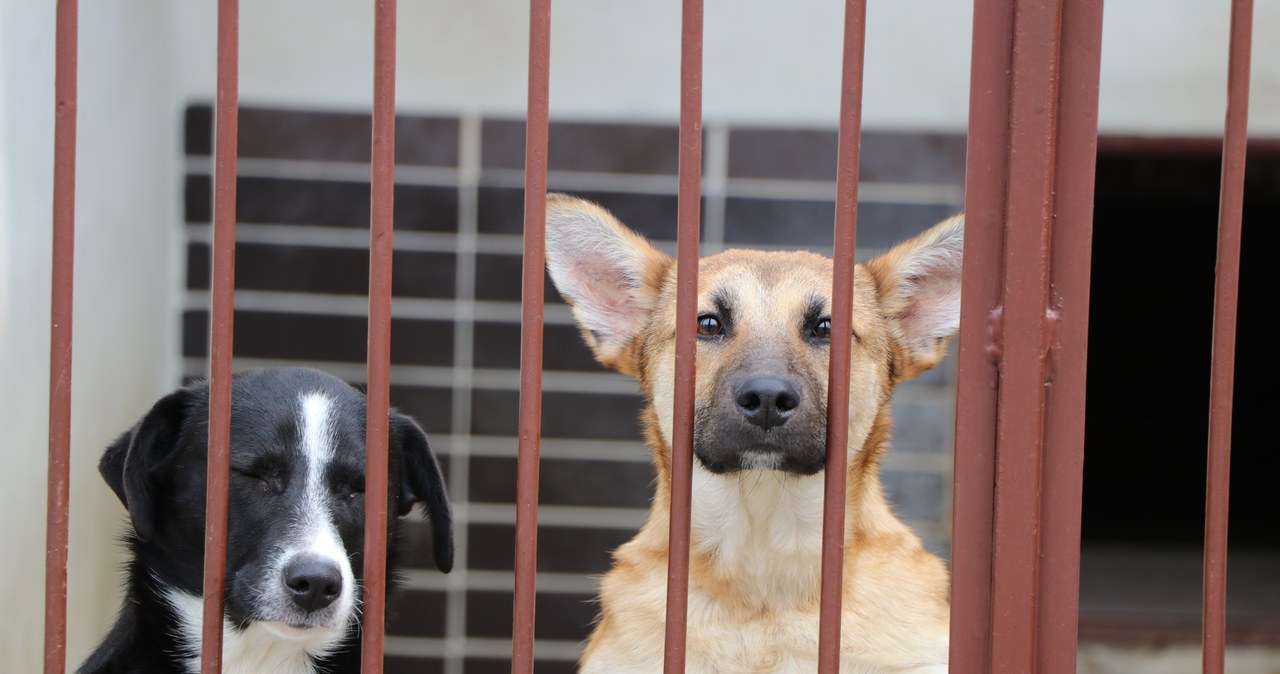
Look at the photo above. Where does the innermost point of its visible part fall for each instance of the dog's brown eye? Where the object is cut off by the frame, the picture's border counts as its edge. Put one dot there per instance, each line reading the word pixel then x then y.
pixel 709 326
pixel 822 330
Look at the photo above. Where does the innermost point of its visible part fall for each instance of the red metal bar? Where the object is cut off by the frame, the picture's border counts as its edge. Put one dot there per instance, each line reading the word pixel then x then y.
pixel 221 326
pixel 987 173
pixel 846 227
pixel 1064 415
pixel 1025 348
pixel 378 392
pixel 64 228
pixel 1230 214
pixel 1019 426
pixel 689 205
pixel 530 423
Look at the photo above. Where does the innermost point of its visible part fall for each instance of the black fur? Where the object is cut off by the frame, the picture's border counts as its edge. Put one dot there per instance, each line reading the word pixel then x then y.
pixel 157 468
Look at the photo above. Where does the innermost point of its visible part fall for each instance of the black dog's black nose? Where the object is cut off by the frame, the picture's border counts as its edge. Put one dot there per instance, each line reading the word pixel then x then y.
pixel 767 401
pixel 313 581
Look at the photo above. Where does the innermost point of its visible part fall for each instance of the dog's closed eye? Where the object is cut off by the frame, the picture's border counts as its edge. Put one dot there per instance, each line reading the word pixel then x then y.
pixel 351 490
pixel 267 476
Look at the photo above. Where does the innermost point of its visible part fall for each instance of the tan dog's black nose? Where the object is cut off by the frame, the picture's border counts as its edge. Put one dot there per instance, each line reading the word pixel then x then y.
pixel 767 401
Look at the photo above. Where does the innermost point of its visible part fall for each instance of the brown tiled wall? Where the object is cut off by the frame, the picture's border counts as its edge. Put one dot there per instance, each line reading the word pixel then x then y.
pixel 302 271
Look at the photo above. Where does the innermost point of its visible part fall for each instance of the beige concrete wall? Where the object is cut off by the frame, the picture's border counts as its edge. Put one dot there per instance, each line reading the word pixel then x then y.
pixel 127 265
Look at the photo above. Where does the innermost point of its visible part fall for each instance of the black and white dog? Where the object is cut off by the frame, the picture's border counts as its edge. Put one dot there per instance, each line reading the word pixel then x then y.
pixel 296 520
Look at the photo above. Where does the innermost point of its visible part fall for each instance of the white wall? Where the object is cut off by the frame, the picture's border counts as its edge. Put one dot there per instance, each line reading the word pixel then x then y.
pixel 1164 61
pixel 127 257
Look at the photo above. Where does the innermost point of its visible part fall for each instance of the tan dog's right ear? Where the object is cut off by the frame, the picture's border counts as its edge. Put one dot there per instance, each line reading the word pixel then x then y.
pixel 610 275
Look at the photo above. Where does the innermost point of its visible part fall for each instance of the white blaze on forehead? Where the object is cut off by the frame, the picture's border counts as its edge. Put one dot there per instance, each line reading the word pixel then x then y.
pixel 316 532
pixel 317 433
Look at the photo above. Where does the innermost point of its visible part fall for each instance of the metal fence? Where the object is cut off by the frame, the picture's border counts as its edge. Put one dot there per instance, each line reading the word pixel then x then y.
pixel 1022 349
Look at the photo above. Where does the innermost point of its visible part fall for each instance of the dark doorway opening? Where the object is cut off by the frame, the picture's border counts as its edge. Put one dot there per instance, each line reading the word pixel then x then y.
pixel 1150 330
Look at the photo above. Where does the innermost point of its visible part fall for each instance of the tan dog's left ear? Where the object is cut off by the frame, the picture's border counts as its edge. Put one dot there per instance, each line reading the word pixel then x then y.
pixel 919 282
pixel 610 275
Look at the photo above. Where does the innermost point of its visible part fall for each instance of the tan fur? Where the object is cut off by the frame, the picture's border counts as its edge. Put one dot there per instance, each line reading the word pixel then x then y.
pixel 756 534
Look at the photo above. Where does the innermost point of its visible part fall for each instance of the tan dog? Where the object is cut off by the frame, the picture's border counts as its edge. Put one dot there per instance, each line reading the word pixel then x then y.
pixel 759 446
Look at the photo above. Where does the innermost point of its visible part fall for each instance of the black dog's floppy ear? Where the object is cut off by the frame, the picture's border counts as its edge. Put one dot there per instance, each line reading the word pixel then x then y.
pixel 131 463
pixel 421 482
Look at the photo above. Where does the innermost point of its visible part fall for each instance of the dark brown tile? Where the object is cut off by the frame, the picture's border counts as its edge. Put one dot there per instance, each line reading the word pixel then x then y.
pixel 402 664
pixel 503 666
pixel 920 426
pixel 803 223
pixel 501 211
pixel 560 549
pixel 195 334
pixel 432 407
pixel 500 277
pixel 779 222
pixel 805 154
pixel 614 484
pixel 323 338
pixel 497 345
pixel 902 157
pixel 564 616
pixel 325 202
pixel 342 271
pixel 197 198
pixel 564 415
pixel 916 496
pixel 415 544
pixel 786 154
pixel 586 146
pixel 199 269
pixel 197 130
pixel 416 613
pixel 326 136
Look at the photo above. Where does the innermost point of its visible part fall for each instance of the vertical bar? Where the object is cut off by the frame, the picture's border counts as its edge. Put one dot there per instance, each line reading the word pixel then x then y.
pixel 689 204
pixel 64 213
pixel 381 244
pixel 846 227
pixel 531 302
pixel 221 327
pixel 1024 354
pixel 987 172
pixel 1071 258
pixel 1019 429
pixel 1230 214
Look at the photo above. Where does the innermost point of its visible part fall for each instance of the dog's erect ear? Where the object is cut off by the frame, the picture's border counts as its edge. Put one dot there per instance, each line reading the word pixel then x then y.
pixel 610 275
pixel 919 283
pixel 132 464
pixel 421 482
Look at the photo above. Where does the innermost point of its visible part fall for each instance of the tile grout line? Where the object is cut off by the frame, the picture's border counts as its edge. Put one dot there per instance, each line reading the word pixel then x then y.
pixel 887 191
pixel 463 356
pixel 715 186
